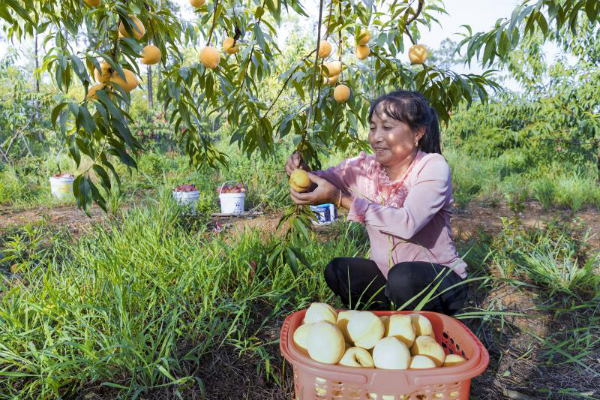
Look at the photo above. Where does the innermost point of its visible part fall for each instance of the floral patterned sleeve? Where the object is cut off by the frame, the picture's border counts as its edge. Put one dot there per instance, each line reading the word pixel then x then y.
pixel 346 175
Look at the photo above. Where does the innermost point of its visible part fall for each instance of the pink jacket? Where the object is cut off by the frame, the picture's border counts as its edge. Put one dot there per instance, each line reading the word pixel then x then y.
pixel 407 220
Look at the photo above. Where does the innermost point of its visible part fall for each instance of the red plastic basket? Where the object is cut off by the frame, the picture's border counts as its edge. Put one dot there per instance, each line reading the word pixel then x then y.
pixel 317 381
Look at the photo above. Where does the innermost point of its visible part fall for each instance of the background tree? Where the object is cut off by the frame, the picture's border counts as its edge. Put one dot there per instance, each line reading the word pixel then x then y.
pixel 99 129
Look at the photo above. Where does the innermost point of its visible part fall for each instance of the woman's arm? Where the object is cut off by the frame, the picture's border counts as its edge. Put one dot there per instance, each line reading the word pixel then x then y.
pixel 336 176
pixel 424 200
pixel 328 185
pixel 346 201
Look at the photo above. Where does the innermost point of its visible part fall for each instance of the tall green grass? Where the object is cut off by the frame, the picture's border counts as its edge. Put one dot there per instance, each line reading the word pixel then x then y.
pixel 136 304
pixel 556 258
pixel 474 178
pixel 513 173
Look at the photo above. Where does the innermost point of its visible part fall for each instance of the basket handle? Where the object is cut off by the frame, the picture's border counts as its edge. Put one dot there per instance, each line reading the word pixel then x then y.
pixel 224 183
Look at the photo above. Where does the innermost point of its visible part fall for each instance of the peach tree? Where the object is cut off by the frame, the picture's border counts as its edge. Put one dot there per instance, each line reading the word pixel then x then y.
pixel 120 35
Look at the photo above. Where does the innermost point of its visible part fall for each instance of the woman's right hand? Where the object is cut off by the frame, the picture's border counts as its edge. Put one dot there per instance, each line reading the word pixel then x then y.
pixel 294 162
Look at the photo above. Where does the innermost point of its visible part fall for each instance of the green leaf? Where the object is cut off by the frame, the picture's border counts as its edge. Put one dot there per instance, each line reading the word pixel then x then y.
pixel 291 260
pixel 79 68
pixel 258 34
pixel 103 176
pixel 108 164
pixel 88 121
pixel 591 9
pixel 85 194
pixel 543 24
pixel 105 100
pixel 56 112
pixel 301 257
pixel 76 184
pixel 74 150
pixel 14 4
pixel 74 108
pixel 275 253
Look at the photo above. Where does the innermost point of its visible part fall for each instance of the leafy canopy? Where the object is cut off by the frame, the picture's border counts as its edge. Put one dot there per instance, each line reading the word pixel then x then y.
pixel 99 128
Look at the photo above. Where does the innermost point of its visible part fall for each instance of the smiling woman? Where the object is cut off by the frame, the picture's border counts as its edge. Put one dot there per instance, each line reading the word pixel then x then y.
pixel 403 195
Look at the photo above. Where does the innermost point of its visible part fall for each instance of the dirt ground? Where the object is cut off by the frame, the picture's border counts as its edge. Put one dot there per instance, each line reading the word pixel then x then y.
pixel 514 370
pixel 68 217
pixel 465 223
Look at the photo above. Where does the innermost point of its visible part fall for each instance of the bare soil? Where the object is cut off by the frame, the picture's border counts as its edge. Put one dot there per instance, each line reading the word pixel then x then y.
pixel 68 217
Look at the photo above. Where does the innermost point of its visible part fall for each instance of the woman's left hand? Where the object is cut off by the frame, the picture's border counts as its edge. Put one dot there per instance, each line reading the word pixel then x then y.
pixel 324 193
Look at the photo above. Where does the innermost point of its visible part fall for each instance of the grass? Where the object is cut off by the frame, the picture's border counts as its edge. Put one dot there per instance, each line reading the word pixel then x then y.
pixel 136 307
pixel 535 307
pixel 555 258
pixel 474 178
pixel 153 304
pixel 478 178
pixel 137 304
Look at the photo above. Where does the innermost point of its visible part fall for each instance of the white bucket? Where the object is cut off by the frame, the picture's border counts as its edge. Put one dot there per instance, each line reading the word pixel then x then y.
pixel 232 203
pixel 187 199
pixel 61 187
pixel 325 214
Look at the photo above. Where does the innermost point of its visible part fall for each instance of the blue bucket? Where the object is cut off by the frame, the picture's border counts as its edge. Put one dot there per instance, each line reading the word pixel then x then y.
pixel 325 214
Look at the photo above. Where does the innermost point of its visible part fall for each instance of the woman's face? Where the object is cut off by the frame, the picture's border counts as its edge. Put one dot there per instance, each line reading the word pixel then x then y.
pixel 392 140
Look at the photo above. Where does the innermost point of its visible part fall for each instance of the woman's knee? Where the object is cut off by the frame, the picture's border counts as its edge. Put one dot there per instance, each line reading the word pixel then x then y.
pixel 331 273
pixel 406 284
pixel 400 277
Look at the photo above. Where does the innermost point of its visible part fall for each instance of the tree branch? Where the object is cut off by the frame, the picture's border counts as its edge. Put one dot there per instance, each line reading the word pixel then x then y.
pixel 412 19
pixel 312 92
pixel 251 50
pixel 212 27
pixel 417 13
pixel 285 83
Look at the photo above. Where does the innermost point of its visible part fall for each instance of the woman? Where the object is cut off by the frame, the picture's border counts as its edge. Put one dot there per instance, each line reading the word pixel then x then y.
pixel 403 195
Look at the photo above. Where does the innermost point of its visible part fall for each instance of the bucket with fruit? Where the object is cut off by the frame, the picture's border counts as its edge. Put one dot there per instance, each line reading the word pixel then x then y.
pixel 232 198
pixel 61 185
pixel 186 196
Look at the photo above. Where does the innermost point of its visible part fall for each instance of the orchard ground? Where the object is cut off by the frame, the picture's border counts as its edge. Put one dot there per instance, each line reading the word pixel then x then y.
pixel 147 302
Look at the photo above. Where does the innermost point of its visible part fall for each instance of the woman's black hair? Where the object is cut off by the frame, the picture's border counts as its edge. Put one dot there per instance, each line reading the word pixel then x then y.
pixel 414 110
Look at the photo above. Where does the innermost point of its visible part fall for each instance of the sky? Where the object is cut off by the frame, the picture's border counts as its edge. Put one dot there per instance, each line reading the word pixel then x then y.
pixel 481 15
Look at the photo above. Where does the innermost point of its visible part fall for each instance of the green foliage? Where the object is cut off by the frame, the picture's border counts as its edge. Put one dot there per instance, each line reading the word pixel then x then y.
pixel 515 176
pixel 544 191
pixel 555 257
pixel 24 117
pixel 100 130
pixel 121 308
pixel 540 128
pixel 575 192
pixel 13 188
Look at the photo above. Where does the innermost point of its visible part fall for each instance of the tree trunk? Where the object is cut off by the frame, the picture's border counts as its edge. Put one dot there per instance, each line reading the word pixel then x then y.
pixel 37 85
pixel 150 96
pixel 598 161
pixel 37 65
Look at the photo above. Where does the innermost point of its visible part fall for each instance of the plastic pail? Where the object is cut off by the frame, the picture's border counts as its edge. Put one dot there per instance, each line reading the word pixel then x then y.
pixel 232 203
pixel 325 214
pixel 61 187
pixel 187 199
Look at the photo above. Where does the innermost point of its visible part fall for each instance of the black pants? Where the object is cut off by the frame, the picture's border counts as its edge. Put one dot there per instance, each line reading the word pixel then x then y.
pixel 360 284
